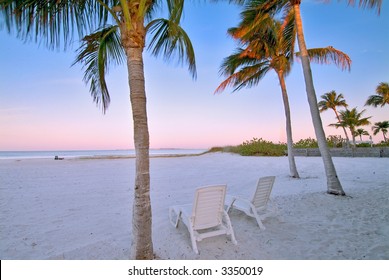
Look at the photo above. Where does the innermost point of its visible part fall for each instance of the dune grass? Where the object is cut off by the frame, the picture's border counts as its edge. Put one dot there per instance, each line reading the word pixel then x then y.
pixel 254 147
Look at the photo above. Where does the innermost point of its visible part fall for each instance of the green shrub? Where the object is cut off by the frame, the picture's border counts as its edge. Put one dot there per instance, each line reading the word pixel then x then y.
pixel 216 149
pixel 364 145
pixel 382 144
pixel 260 147
pixel 335 141
pixel 306 143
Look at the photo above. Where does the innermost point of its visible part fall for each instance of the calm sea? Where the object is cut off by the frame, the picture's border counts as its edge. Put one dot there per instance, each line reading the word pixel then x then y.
pixel 90 153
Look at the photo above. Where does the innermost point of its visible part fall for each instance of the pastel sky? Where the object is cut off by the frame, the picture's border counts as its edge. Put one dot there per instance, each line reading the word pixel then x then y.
pixel 45 105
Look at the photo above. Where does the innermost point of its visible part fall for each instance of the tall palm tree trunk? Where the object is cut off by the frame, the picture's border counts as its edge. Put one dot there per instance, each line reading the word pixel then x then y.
pixel 353 135
pixel 344 129
pixel 133 42
pixel 289 138
pixel 333 183
pixel 141 228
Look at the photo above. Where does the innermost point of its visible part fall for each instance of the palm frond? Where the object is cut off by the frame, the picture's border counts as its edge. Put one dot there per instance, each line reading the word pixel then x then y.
pixel 371 4
pixel 126 14
pixel 331 100
pixel 375 100
pixel 95 53
pixel 239 59
pixel 352 119
pixel 380 126
pixel 382 96
pixel 247 76
pixel 383 89
pixel 53 22
pixel 329 55
pixel 170 40
pixel 287 35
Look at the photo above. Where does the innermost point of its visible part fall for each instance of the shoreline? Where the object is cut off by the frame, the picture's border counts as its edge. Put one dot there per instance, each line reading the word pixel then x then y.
pixel 91 154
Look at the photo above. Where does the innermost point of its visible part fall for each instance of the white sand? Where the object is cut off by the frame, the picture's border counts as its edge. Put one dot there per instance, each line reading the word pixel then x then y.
pixel 81 209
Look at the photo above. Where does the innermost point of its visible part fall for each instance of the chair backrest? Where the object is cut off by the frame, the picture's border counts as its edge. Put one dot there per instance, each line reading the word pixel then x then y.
pixel 208 207
pixel 262 193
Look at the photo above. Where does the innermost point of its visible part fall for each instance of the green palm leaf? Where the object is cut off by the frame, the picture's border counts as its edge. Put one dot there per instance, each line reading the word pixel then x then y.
pixel 54 22
pixel 382 96
pixel 96 52
pixel 170 39
pixel 351 119
pixel 331 100
pixel 247 76
pixel 381 126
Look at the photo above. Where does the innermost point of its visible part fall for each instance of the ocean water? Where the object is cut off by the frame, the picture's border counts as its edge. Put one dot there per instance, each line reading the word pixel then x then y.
pixel 91 153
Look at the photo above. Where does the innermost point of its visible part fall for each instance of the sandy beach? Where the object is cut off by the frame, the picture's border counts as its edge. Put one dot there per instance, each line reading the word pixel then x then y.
pixel 81 209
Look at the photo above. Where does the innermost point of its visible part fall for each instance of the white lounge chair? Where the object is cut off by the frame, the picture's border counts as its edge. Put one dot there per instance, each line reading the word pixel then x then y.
pixel 206 217
pixel 257 206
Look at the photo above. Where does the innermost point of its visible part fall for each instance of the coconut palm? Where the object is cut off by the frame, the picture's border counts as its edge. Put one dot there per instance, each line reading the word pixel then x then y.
pixel 382 96
pixel 381 126
pixel 271 47
pixel 113 32
pixel 332 100
pixel 273 8
pixel 334 185
pixel 352 119
pixel 248 65
pixel 360 132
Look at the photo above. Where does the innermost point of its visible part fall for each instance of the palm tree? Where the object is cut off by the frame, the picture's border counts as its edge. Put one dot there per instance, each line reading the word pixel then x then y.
pixel 333 183
pixel 381 126
pixel 382 96
pixel 273 8
pixel 248 65
pixel 360 132
pixel 352 119
pixel 332 100
pixel 270 47
pixel 123 26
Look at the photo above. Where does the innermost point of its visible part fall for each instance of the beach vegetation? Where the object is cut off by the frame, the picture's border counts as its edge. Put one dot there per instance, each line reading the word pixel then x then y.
pixel 269 47
pixel 306 143
pixel 352 119
pixel 260 147
pixel 381 98
pixel 359 132
pixel 268 44
pixel 332 100
pixel 381 127
pixel 382 144
pixel 333 184
pixel 274 8
pixel 216 149
pixel 335 141
pixel 254 147
pixel 112 32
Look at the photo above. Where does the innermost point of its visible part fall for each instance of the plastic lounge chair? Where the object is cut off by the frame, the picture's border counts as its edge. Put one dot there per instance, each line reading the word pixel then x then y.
pixel 257 207
pixel 206 217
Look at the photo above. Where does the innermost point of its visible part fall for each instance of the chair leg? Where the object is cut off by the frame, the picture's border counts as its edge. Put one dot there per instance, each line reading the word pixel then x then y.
pixel 230 205
pixel 230 228
pixel 260 224
pixel 193 239
pixel 171 211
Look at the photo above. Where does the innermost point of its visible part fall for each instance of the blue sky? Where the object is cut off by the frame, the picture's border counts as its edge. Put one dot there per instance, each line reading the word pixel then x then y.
pixel 45 105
